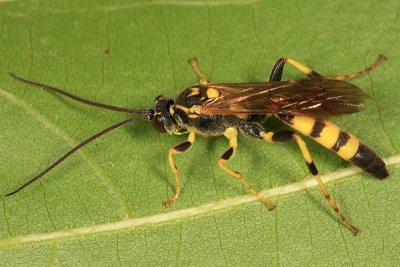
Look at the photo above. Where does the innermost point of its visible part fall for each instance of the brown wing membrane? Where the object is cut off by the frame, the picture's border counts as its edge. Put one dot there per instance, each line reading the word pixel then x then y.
pixel 309 97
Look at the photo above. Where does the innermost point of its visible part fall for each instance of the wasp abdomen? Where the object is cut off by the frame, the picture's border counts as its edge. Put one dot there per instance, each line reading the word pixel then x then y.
pixel 369 161
pixel 344 144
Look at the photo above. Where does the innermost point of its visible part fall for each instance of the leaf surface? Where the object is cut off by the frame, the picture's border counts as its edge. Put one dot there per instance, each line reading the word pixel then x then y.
pixel 103 205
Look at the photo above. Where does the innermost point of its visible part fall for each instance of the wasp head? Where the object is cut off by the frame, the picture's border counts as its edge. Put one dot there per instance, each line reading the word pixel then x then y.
pixel 163 120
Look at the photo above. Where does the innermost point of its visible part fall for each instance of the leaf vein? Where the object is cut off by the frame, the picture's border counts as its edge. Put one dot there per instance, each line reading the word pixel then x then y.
pixel 152 220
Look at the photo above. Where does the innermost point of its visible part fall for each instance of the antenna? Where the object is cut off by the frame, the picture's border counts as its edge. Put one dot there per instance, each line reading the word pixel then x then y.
pixel 74 149
pixel 80 99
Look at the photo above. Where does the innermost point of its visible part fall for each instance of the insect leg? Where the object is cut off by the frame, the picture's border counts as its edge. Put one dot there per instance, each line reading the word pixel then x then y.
pixel 360 73
pixel 276 73
pixel 231 134
pixel 178 149
pixel 285 136
pixel 203 78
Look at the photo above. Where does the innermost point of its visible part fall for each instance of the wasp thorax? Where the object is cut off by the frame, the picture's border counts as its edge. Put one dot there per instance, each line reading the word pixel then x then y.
pixel 163 120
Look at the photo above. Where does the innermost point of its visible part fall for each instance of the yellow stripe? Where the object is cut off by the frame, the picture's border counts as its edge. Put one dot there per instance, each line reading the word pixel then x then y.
pixel 191 136
pixel 303 124
pixel 231 133
pixel 185 109
pixel 350 148
pixel 329 135
pixel 303 149
pixel 304 69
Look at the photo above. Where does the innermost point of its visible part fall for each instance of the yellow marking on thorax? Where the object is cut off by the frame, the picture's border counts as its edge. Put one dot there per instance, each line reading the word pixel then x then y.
pixel 171 110
pixel 194 91
pixel 185 109
pixel 193 112
pixel 350 149
pixel 212 93
pixel 195 109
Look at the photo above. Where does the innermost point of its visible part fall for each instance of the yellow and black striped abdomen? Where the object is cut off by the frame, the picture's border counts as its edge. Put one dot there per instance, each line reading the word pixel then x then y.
pixel 346 145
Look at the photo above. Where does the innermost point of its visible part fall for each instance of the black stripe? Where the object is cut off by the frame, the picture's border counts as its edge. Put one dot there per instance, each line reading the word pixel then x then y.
pixel 342 141
pixel 282 136
pixel 317 129
pixel 228 154
pixel 312 168
pixel 367 160
pixel 286 117
pixel 314 73
pixel 183 146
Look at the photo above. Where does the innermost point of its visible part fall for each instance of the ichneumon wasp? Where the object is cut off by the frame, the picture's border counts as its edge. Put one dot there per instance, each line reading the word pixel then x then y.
pixel 214 109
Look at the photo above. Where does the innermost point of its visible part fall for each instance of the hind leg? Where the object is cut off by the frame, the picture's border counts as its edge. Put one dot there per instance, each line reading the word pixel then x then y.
pixel 256 131
pixel 285 136
pixel 277 70
pixel 373 66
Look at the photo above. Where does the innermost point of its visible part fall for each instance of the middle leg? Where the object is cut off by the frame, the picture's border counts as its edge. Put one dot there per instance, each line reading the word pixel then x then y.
pixel 231 134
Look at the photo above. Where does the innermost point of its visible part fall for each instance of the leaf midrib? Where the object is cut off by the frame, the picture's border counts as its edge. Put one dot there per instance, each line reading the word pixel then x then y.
pixel 149 221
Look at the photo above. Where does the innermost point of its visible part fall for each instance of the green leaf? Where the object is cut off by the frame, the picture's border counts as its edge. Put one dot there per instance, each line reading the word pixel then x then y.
pixel 103 205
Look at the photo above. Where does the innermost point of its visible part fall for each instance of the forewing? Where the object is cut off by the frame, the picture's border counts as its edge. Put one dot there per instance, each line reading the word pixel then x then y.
pixel 309 97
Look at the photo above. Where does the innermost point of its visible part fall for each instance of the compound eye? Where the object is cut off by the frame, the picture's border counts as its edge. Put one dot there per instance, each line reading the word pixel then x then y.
pixel 158 124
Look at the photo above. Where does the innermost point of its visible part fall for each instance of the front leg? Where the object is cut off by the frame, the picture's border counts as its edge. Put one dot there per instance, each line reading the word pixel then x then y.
pixel 178 149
